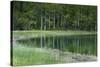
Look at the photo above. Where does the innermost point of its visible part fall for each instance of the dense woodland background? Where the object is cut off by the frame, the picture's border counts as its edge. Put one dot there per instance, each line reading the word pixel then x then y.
pixel 50 16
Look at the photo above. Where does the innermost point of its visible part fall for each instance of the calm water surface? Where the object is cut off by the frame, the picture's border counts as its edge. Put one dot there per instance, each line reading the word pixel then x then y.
pixel 83 44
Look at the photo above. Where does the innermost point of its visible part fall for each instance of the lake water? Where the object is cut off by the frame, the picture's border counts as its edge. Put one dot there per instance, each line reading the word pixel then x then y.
pixel 82 44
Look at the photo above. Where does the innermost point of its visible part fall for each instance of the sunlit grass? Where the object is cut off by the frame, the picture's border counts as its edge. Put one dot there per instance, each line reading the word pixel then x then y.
pixel 29 56
pixel 38 33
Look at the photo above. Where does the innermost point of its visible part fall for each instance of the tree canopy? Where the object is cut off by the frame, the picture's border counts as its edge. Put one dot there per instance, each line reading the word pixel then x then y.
pixel 53 16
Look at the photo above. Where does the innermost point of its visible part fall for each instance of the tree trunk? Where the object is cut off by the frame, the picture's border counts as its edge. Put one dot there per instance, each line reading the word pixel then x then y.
pixel 49 22
pixel 41 21
pixel 54 21
pixel 45 20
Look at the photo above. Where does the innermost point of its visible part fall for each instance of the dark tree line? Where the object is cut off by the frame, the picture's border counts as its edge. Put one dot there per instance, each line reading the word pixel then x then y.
pixel 49 16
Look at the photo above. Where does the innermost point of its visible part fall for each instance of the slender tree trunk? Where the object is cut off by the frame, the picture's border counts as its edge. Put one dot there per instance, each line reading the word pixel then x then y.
pixel 54 21
pixel 41 21
pixel 61 21
pixel 57 21
pixel 49 22
pixel 45 20
pixel 78 18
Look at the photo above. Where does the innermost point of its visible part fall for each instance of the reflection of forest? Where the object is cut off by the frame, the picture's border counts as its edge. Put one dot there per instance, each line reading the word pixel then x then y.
pixel 48 16
pixel 84 44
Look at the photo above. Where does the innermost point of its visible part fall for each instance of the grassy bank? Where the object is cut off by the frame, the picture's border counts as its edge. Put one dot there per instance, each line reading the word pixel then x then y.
pixel 31 56
pixel 59 32
pixel 38 33
pixel 34 56
pixel 23 55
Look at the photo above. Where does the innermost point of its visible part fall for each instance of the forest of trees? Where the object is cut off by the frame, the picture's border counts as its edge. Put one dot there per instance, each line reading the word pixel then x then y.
pixel 51 16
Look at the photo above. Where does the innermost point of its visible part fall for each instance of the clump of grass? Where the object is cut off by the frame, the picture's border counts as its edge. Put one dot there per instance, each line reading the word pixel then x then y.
pixel 28 56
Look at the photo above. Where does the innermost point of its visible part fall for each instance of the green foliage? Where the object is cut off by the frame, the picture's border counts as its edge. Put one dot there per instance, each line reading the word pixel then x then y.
pixel 28 56
pixel 49 16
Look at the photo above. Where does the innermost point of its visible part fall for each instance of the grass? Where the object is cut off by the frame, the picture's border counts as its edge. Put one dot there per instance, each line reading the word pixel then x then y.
pixel 29 56
pixel 38 33
pixel 56 32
